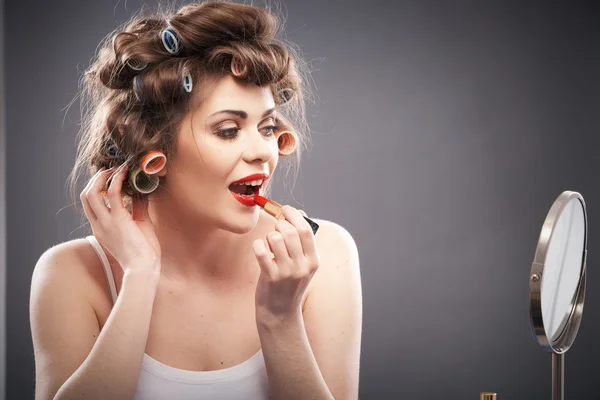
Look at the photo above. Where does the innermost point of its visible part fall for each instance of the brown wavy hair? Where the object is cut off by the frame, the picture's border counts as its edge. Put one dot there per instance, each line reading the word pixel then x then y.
pixel 127 112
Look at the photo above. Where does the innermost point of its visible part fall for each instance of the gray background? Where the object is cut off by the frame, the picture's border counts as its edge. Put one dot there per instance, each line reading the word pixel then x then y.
pixel 444 132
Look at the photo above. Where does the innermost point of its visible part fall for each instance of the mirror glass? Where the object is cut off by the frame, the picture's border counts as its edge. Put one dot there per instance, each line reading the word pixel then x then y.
pixel 563 267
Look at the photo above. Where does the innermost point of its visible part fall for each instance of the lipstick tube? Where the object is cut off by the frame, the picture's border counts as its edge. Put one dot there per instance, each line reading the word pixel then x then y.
pixel 274 209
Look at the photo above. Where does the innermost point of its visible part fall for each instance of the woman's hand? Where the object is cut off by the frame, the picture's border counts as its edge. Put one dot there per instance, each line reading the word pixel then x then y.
pixel 129 238
pixel 286 272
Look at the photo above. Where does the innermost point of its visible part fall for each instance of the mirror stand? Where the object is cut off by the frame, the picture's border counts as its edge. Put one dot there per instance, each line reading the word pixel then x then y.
pixel 558 376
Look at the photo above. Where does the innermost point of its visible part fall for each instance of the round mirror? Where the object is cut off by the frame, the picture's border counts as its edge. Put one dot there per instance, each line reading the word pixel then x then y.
pixel 557 280
pixel 563 270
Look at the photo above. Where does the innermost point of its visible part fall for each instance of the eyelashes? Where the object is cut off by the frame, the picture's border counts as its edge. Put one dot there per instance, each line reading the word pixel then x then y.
pixel 228 134
pixel 231 133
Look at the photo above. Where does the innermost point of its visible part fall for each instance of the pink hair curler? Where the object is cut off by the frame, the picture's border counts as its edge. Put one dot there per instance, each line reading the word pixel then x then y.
pixel 286 142
pixel 153 162
pixel 237 68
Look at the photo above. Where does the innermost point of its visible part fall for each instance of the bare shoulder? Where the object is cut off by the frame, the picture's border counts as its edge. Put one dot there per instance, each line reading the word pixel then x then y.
pixel 63 318
pixel 332 311
pixel 72 265
pixel 338 256
pixel 335 244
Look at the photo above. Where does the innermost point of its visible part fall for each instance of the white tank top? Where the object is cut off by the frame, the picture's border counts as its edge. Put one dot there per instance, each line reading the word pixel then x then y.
pixel 158 381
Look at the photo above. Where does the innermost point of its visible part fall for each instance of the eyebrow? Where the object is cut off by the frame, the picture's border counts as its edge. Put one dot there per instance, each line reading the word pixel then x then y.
pixel 242 114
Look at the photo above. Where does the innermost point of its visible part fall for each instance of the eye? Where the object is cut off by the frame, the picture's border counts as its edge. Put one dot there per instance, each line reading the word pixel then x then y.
pixel 229 133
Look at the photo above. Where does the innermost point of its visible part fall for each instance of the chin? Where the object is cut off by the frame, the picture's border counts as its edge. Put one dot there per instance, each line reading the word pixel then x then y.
pixel 242 224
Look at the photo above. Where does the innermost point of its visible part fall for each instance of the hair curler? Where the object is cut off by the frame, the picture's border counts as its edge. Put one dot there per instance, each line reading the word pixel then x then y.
pixel 237 68
pixel 142 182
pixel 171 41
pixel 285 95
pixel 286 142
pixel 153 162
pixel 137 87
pixel 136 65
pixel 111 149
pixel 187 82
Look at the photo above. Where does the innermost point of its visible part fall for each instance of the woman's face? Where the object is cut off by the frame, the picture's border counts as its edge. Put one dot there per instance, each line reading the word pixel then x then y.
pixel 228 137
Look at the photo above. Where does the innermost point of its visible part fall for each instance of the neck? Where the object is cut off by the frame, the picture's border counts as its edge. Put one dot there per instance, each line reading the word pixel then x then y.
pixel 199 252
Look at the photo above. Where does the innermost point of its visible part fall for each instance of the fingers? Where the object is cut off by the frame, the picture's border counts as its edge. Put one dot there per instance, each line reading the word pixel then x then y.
pixel 277 247
pixel 93 197
pixel 292 244
pixel 94 194
pixel 263 255
pixel 113 193
pixel 83 197
pixel 90 197
pixel 307 238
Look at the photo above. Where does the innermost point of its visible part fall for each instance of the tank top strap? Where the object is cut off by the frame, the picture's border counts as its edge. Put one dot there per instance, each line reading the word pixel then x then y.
pixel 107 271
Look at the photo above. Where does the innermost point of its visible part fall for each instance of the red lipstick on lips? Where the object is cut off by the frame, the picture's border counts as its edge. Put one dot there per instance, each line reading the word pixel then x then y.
pixel 274 209
pixel 253 177
pixel 247 199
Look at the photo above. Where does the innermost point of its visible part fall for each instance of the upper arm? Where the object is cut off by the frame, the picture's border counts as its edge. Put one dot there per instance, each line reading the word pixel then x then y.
pixel 333 311
pixel 64 326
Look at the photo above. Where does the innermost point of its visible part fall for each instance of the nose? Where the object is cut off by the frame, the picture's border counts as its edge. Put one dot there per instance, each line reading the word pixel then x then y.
pixel 258 147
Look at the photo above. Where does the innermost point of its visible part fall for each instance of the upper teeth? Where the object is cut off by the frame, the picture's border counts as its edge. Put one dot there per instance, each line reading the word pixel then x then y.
pixel 251 183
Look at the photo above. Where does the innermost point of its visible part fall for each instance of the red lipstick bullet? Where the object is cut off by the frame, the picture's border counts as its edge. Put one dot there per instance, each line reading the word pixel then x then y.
pixel 274 209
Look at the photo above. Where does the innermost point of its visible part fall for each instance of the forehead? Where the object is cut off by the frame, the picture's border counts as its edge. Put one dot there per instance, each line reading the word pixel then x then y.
pixel 230 93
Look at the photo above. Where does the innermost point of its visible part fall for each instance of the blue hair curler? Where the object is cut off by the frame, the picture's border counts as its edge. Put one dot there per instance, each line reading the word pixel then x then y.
pixel 111 149
pixel 187 83
pixel 171 41
pixel 137 86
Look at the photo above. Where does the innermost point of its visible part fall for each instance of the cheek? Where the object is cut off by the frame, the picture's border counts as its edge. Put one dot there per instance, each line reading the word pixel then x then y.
pixel 273 162
pixel 274 151
pixel 274 158
pixel 213 158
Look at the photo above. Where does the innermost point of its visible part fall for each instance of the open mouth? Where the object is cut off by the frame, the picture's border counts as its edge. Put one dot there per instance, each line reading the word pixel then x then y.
pixel 246 189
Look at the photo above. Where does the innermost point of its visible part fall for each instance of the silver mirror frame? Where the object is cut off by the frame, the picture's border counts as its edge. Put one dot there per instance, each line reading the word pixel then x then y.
pixel 570 325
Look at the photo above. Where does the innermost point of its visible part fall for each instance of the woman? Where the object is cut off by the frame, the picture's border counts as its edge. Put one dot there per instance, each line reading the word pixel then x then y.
pixel 186 290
